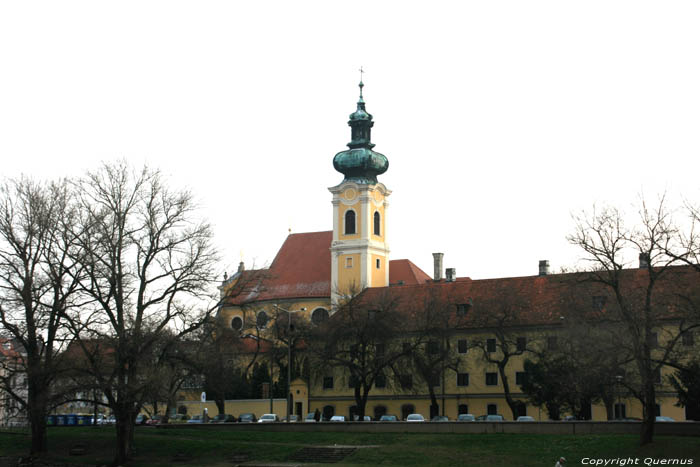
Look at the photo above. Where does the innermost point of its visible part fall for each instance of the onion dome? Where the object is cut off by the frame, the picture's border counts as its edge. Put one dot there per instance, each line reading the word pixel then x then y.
pixel 360 163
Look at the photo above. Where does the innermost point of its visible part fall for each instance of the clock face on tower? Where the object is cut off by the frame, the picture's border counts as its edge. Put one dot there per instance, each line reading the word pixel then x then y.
pixel 350 194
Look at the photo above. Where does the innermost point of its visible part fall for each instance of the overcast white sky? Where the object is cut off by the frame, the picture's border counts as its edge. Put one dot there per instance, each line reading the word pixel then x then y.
pixel 499 118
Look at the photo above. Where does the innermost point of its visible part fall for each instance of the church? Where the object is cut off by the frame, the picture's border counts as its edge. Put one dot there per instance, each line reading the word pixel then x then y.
pixel 313 272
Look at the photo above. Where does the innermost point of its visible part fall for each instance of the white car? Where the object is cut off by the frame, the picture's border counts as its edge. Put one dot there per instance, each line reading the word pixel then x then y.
pixel 268 418
pixel 338 418
pixel 415 417
pixel 525 418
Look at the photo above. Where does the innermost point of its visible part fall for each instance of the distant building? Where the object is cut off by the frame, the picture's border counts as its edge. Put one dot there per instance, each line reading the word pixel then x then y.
pixel 13 380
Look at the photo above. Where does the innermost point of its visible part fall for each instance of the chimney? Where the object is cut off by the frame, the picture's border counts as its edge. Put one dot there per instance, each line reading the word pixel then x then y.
pixel 451 274
pixel 544 267
pixel 241 267
pixel 643 261
pixel 437 266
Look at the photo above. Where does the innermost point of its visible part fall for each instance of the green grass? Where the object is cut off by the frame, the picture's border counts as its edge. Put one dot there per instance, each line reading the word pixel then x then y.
pixel 216 447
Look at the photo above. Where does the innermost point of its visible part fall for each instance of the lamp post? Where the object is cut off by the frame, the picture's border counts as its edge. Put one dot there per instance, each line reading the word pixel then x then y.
pixel 289 356
pixel 618 380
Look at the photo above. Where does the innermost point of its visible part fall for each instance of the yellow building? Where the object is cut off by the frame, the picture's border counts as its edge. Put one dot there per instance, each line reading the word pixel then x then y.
pixel 313 272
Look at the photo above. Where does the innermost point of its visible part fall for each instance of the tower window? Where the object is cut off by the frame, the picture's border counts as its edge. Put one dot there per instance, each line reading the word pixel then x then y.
pixel 261 320
pixel 237 323
pixel 377 223
pixel 349 222
pixel 379 263
pixel 348 262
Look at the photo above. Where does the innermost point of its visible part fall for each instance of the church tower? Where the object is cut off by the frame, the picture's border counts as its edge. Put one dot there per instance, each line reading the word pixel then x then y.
pixel 359 250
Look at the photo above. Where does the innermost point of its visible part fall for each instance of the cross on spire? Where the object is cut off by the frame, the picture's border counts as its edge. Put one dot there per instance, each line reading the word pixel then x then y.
pixel 361 83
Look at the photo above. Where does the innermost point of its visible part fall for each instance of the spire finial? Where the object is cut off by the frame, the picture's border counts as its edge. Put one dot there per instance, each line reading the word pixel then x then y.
pixel 361 83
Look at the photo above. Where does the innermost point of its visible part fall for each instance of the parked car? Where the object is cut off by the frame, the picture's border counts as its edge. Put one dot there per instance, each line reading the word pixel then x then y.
pixel 664 419
pixel 439 418
pixel 525 418
pixel 366 418
pixel 338 418
pixel 310 417
pixel 112 420
pixel 465 417
pixel 268 418
pixel 223 418
pixel 140 419
pixel 195 419
pixel 155 420
pixel 489 418
pixel 292 418
pixel 247 418
pixel 388 418
pixel 415 417
pixel 179 418
pixel 570 418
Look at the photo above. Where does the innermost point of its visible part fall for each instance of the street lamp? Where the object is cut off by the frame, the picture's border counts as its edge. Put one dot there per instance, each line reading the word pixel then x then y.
pixel 289 356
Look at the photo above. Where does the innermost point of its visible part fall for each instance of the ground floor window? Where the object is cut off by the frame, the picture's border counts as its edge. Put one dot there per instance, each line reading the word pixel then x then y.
pixel 463 408
pixel 379 411
pixel 406 410
pixel 492 409
pixel 328 412
pixel 620 411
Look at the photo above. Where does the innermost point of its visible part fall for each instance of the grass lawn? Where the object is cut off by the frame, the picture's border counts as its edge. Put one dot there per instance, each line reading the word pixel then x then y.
pixel 190 447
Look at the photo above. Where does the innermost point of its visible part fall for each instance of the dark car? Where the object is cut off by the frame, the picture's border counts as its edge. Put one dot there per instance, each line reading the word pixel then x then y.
pixel 489 418
pixel 223 418
pixel 156 420
pixel 247 418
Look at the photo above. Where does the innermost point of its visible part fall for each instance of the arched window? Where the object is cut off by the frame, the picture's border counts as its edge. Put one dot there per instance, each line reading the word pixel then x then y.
pixel 237 323
pixel 377 223
pixel 349 222
pixel 261 320
pixel 319 315
pixel 463 408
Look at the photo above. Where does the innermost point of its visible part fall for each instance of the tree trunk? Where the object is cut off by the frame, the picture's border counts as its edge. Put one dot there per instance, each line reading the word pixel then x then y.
pixel 125 437
pixel 434 406
pixel 361 399
pixel 647 434
pixel 506 391
pixel 38 423
pixel 221 405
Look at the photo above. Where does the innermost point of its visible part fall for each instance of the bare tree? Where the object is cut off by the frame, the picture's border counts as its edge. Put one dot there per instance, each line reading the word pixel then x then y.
pixel 647 301
pixel 363 340
pixel 149 264
pixel 36 289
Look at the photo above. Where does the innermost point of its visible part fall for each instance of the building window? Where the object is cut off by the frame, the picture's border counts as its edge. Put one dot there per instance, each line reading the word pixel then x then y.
pixel 435 380
pixel 463 408
pixel 349 222
pixel 620 411
pixel 462 379
pixel 688 338
pixel 520 378
pixel 261 320
pixel 379 411
pixel 490 345
pixel 552 343
pixel 328 382
pixel 348 262
pixel 380 381
pixel 433 348
pixel 492 409
pixel 319 315
pixel 406 410
pixel 599 302
pixel 377 223
pixel 237 323
pixel 463 308
pixel 379 350
pixel 521 344
pixel 406 381
pixel 491 379
pixel 352 381
pixel 379 263
pixel 657 410
pixel 462 346
pixel 328 411
pixel 653 340
pixel 657 375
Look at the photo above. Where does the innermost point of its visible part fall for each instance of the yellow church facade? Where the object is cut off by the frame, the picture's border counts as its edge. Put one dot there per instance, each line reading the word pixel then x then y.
pixel 314 272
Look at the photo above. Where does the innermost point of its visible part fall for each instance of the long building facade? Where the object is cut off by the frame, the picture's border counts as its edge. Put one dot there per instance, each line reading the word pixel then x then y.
pixel 313 273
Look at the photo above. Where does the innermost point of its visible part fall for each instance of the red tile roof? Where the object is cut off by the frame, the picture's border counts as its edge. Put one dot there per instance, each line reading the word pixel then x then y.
pixel 403 270
pixel 302 269
pixel 533 300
